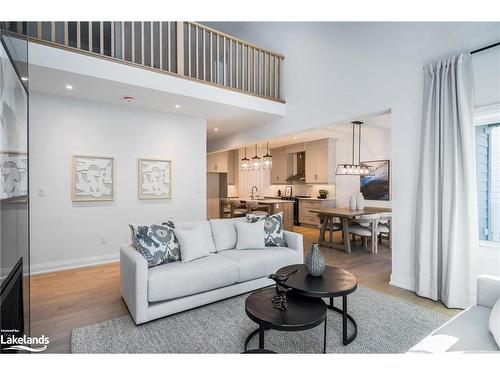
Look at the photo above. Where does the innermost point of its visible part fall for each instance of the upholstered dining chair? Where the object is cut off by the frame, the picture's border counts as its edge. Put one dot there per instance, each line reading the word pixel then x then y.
pixel 384 227
pixel 366 227
pixel 255 208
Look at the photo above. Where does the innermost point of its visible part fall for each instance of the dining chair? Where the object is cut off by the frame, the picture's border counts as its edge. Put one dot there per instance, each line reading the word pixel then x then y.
pixel 366 227
pixel 332 225
pixel 255 208
pixel 384 227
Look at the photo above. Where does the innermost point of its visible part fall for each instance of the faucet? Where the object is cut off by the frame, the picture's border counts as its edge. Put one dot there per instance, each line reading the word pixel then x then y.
pixel 256 190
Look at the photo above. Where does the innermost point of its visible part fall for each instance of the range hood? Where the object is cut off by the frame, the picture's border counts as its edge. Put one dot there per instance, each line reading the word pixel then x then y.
pixel 299 168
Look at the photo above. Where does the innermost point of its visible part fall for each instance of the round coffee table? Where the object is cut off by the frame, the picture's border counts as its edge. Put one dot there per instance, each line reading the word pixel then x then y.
pixel 302 313
pixel 334 282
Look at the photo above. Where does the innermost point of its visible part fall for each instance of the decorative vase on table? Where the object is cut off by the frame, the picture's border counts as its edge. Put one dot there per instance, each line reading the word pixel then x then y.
pixel 315 261
pixel 352 203
pixel 360 202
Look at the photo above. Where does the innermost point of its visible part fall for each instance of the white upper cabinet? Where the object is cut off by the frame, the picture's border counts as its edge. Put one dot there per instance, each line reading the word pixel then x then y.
pixel 218 162
pixel 320 161
pixel 279 170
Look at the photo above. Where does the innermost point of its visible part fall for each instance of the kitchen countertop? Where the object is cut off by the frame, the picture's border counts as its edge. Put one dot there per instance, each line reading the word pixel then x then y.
pixel 266 200
pixel 309 199
pixel 316 199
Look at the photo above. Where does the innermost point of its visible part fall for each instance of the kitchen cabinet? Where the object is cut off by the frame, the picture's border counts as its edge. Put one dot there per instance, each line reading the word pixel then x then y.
pixel 320 161
pixel 280 169
pixel 217 163
pixel 307 217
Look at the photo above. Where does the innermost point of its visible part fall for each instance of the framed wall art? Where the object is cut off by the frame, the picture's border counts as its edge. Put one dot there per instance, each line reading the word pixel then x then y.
pixel 14 174
pixel 93 178
pixel 155 179
pixel 377 187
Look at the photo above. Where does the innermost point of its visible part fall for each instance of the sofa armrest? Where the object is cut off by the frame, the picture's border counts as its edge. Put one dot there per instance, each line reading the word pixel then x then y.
pixel 294 241
pixel 488 290
pixel 134 282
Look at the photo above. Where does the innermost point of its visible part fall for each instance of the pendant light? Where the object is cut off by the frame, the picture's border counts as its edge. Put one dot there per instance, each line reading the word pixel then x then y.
pixel 256 162
pixel 353 169
pixel 267 160
pixel 245 162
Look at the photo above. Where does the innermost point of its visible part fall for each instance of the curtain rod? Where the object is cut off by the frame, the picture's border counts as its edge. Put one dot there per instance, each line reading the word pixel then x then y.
pixel 485 48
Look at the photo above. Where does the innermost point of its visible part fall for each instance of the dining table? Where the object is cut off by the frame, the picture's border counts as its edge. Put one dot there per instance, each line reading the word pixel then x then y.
pixel 345 214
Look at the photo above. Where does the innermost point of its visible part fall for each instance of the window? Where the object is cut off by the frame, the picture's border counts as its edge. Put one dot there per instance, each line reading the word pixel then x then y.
pixel 488 181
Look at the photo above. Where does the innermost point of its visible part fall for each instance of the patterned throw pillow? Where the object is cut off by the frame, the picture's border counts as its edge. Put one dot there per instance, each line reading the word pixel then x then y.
pixel 273 228
pixel 156 243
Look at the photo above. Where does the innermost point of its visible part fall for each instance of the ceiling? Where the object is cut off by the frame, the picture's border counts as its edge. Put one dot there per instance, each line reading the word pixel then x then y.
pixel 382 121
pixel 226 118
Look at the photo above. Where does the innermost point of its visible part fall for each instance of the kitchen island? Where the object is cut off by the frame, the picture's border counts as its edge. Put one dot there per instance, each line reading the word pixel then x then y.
pixel 275 206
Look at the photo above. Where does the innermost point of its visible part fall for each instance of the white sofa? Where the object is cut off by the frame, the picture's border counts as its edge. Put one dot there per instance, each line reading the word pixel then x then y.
pixel 468 331
pixel 152 293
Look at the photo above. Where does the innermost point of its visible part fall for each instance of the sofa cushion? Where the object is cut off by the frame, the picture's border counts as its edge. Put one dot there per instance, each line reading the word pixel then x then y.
pixel 250 235
pixel 156 243
pixel 174 280
pixel 494 323
pixel 468 331
pixel 254 264
pixel 206 229
pixel 224 233
pixel 192 242
pixel 273 228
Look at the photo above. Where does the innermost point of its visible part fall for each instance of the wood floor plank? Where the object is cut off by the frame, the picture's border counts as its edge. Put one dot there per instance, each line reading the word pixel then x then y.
pixel 64 300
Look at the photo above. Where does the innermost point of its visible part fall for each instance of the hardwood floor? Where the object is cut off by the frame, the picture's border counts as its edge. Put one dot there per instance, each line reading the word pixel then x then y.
pixel 62 301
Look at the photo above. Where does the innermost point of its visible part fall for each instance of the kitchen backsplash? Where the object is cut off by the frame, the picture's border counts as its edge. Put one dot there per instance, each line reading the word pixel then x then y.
pixel 312 190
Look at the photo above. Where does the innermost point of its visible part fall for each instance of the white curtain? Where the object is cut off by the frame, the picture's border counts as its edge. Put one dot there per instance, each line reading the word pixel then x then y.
pixel 446 221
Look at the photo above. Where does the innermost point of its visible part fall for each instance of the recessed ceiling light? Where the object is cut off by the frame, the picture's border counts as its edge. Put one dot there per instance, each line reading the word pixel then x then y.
pixel 260 145
pixel 216 129
pixel 295 137
pixel 177 106
pixel 69 87
pixel 129 99
pixel 24 79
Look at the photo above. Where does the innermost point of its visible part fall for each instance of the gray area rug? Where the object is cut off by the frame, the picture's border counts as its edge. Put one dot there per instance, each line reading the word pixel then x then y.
pixel 385 325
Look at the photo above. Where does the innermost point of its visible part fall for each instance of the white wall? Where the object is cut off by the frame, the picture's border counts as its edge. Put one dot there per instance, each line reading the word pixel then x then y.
pixel 375 145
pixel 339 71
pixel 65 233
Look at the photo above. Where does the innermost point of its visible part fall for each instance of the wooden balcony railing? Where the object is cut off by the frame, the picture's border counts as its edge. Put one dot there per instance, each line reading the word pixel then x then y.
pixel 186 49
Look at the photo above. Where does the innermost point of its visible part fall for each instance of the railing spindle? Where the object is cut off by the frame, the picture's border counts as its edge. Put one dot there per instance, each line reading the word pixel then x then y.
pixel 197 47
pixel 52 32
pixel 237 63
pixel 218 59
pixel 151 43
pixel 211 56
pixel 169 41
pixel 204 56
pixel 224 63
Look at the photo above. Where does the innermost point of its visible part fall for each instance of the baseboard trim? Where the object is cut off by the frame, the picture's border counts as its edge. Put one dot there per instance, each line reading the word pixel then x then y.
pixel 37 269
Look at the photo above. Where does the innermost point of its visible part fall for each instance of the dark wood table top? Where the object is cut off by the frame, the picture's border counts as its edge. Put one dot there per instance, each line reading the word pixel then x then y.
pixel 346 212
pixel 334 282
pixel 303 312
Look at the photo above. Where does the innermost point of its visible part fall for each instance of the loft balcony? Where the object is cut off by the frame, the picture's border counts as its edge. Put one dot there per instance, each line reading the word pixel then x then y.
pixel 185 50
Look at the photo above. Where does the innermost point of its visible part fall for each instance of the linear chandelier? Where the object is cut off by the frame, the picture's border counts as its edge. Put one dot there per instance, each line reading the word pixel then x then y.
pixel 354 169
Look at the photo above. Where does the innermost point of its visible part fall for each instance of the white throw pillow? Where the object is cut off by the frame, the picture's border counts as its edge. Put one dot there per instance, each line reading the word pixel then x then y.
pixel 224 232
pixel 250 235
pixel 192 242
pixel 495 322
pixel 206 228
